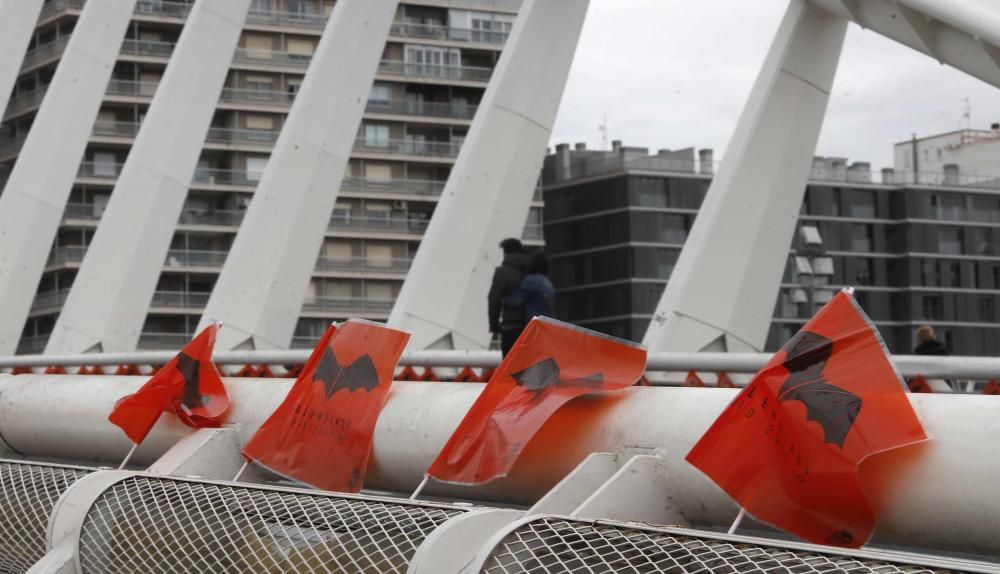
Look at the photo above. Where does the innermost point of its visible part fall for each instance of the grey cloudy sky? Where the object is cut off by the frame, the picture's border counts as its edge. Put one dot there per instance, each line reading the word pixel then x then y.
pixel 676 73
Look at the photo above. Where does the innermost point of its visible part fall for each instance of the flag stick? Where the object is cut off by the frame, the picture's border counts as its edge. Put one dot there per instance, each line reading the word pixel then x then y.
pixel 240 472
pixel 128 456
pixel 739 519
pixel 420 488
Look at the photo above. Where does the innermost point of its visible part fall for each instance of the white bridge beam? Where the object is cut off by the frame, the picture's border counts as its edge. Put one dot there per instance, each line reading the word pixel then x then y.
pixel 110 296
pixel 964 34
pixel 722 291
pixel 488 195
pixel 33 201
pixel 17 24
pixel 263 283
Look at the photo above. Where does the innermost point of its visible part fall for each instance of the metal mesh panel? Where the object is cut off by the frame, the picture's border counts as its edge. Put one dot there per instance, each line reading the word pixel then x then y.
pixel 27 494
pixel 157 525
pixel 552 546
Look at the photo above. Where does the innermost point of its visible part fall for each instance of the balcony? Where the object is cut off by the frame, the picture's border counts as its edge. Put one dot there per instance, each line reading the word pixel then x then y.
pixel 456 110
pixel 286 19
pixel 131 89
pixel 405 225
pixel 220 217
pixel 257 97
pixel 195 258
pixel 233 137
pixel 49 301
pixel 106 172
pixel 55 7
pixel 162 9
pixel 434 71
pixel 393 186
pixel 348 305
pixel 271 58
pixel 179 300
pixel 66 254
pixel 32 345
pixel 410 147
pixel 115 130
pixel 43 53
pixel 147 49
pixel 440 32
pixel 171 341
pixel 397 265
pixel 24 102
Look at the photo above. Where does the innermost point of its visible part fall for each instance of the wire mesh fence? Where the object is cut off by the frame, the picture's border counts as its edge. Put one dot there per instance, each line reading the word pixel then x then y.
pixel 155 525
pixel 557 546
pixel 28 492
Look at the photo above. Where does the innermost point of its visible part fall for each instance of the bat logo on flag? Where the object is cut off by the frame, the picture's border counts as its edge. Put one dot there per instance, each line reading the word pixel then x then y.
pixel 545 374
pixel 360 374
pixel 835 409
pixel 189 367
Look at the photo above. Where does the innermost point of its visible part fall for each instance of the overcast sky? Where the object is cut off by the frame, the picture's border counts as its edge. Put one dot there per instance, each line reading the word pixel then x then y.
pixel 676 73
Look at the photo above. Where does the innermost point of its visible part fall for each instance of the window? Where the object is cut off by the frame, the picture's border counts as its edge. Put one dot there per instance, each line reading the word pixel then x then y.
pixel 378 172
pixel 863 271
pixel 261 86
pixel 932 307
pixel 488 28
pixel 378 214
pixel 293 85
pixel 260 122
pixel 930 273
pixel 379 256
pixel 986 314
pixel 376 135
pixel 863 204
pixel 255 168
pixel 951 207
pixel 950 240
pixel 379 291
pixel 258 47
pixel 300 49
pixel 951 274
pixel 105 164
pixel 148 81
pixel 861 237
pixel 380 95
pixel 985 209
pixel 425 60
pixel 262 7
pixel 338 251
pixel 342 213
pixel 302 8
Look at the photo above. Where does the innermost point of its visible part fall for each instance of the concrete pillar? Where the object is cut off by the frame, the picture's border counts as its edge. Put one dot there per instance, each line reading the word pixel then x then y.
pixel 262 286
pixel 721 294
pixel 17 23
pixel 488 195
pixel 110 296
pixel 33 201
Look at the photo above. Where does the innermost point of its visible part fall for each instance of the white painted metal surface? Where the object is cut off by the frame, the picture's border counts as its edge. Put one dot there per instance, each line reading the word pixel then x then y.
pixel 488 195
pixel 978 368
pixel 964 34
pixel 33 201
pixel 263 283
pixel 17 23
pixel 455 543
pixel 722 291
pixel 107 305
pixel 942 500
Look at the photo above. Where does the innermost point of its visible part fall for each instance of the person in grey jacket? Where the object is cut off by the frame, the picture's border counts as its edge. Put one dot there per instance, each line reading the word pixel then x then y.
pixel 507 319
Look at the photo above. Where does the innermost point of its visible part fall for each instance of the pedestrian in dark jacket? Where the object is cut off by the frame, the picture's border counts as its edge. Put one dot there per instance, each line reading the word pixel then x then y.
pixel 927 343
pixel 507 319
pixel 536 294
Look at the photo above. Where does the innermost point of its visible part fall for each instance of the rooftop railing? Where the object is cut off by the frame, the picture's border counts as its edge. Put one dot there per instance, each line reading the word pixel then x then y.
pixel 411 70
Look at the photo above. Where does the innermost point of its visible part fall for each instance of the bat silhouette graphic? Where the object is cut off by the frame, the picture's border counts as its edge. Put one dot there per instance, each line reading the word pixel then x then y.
pixel 189 367
pixel 360 374
pixel 545 374
pixel 835 409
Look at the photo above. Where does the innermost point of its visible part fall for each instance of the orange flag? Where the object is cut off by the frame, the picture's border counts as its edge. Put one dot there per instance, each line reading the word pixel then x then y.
pixel 188 386
pixel 321 435
pixel 788 447
pixel 551 363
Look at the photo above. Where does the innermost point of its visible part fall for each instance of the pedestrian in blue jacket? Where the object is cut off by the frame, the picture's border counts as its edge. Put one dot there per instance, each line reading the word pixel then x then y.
pixel 536 295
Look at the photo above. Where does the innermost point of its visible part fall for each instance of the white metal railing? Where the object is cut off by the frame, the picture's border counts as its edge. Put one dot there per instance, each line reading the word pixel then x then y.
pixel 441 72
pixel 351 304
pixel 363 264
pixel 180 299
pixel 417 30
pixel 293 19
pixel 374 223
pixel 408 147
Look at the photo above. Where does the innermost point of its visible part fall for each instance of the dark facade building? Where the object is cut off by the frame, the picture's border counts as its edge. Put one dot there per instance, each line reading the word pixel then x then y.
pixel 927 253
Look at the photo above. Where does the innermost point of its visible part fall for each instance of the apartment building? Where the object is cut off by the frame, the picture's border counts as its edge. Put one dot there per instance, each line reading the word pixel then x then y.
pixel 917 253
pixel 434 70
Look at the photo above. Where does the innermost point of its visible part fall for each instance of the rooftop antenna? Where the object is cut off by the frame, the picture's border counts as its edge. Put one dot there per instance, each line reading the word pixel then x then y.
pixel 967 114
pixel 603 128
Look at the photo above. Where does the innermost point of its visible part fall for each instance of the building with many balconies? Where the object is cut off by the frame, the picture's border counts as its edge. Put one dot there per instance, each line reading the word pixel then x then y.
pixel 435 67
